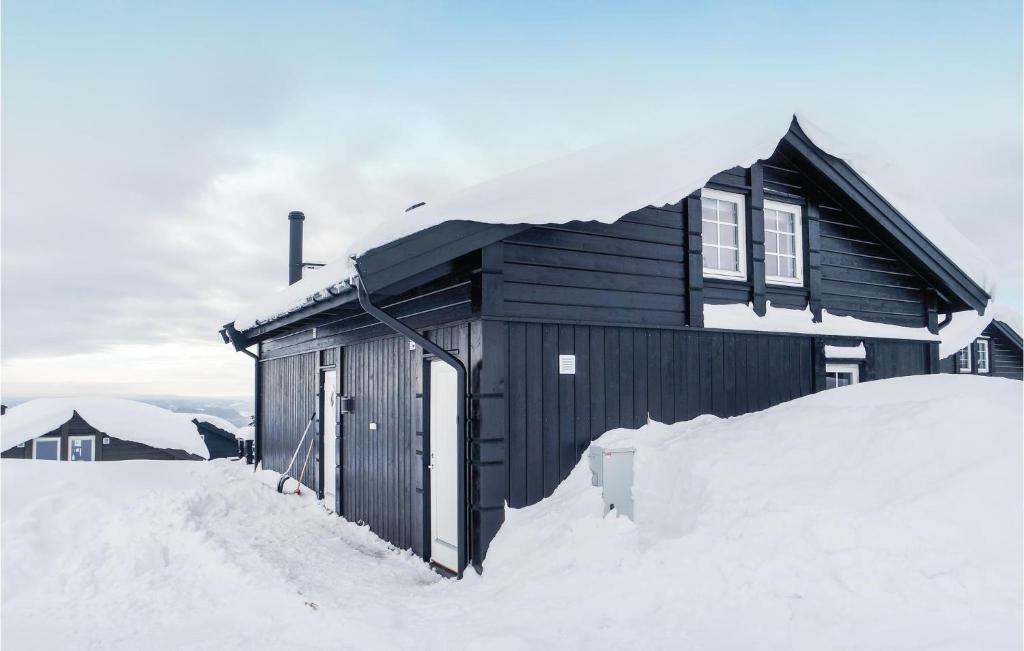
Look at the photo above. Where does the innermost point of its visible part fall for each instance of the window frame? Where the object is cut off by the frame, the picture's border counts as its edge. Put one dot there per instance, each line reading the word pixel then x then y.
pixel 959 363
pixel 741 235
pixel 852 369
pixel 988 355
pixel 798 244
pixel 57 439
pixel 82 437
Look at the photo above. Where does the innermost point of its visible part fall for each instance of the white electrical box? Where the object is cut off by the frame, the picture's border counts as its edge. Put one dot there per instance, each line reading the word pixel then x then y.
pixel 612 470
pixel 373 425
pixel 412 345
pixel 567 365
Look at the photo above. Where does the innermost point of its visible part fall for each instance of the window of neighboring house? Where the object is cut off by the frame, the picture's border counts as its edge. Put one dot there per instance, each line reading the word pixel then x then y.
pixel 963 360
pixel 46 448
pixel 723 234
pixel 783 239
pixel 841 375
pixel 81 448
pixel 982 355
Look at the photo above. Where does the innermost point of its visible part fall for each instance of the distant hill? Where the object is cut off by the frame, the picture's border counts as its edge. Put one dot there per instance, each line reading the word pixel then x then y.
pixel 237 410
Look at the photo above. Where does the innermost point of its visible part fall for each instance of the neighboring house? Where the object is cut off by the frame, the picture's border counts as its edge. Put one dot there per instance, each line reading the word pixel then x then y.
pixel 469 364
pixel 221 436
pixel 997 351
pixel 97 429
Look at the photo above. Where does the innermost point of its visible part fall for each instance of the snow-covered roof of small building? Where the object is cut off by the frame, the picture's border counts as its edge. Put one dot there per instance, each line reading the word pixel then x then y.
pixel 247 433
pixel 124 419
pixel 606 182
pixel 216 421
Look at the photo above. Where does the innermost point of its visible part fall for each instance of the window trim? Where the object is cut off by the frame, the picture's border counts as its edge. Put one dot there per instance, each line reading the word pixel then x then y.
pixel 959 366
pixel 47 438
pixel 988 355
pixel 82 437
pixel 798 228
pixel 741 235
pixel 852 369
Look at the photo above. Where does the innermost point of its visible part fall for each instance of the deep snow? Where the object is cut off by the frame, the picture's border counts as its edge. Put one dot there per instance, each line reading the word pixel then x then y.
pixel 885 515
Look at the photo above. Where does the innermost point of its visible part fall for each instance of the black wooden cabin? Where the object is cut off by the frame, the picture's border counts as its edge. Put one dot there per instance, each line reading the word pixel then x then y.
pixel 998 352
pixel 512 303
pixel 221 443
pixel 77 440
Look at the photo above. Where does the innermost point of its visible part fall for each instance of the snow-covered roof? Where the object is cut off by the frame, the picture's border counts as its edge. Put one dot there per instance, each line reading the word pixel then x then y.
pixel 247 433
pixel 123 419
pixel 606 182
pixel 216 421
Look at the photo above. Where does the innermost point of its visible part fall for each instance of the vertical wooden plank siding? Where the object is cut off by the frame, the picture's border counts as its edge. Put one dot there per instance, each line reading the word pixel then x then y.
pixel 288 400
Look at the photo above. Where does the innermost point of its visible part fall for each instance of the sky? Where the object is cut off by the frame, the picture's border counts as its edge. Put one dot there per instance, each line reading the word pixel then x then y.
pixel 151 151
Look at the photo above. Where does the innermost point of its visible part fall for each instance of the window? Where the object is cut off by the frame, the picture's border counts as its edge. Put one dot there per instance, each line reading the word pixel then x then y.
pixel 963 360
pixel 723 235
pixel 982 355
pixel 81 448
pixel 783 235
pixel 47 448
pixel 841 375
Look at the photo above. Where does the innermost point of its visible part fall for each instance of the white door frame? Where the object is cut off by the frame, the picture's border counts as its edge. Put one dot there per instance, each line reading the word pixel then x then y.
pixel 444 465
pixel 328 410
pixel 87 437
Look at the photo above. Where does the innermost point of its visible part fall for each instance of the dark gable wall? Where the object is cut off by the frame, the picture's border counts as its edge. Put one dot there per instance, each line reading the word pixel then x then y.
pixel 847 267
pixel 1007 360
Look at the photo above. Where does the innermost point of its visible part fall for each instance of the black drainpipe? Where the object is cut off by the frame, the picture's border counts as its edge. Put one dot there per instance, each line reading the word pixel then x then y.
pixel 946 320
pixel 460 373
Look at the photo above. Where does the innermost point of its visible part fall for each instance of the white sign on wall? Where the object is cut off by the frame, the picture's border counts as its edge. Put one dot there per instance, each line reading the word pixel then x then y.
pixel 567 365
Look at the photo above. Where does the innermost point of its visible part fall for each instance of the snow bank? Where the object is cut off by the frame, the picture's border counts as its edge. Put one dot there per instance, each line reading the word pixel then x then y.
pixel 123 419
pixel 885 515
pixel 604 183
pixel 216 421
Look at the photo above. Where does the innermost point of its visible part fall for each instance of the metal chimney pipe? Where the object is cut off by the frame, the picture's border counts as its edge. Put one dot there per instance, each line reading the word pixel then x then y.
pixel 295 219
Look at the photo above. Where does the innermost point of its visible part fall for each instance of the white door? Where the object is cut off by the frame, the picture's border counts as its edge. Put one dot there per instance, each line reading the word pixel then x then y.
pixel 328 417
pixel 444 493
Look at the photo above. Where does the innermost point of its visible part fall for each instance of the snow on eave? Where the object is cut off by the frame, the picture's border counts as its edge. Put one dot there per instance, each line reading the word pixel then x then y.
pixel 741 316
pixel 846 352
pixel 124 419
pixel 603 183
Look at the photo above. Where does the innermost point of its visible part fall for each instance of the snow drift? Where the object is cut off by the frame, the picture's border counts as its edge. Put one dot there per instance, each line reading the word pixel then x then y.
pixel 123 419
pixel 885 515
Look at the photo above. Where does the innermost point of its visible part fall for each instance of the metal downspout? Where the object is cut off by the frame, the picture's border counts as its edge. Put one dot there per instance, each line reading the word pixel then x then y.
pixel 461 379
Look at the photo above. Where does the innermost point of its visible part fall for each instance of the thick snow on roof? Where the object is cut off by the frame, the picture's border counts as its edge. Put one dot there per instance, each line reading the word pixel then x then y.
pixel 1010 317
pixel 604 183
pixel 123 419
pixel 216 421
pixel 247 433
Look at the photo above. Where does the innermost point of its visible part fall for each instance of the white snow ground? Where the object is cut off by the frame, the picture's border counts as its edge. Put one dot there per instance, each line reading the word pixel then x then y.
pixel 885 515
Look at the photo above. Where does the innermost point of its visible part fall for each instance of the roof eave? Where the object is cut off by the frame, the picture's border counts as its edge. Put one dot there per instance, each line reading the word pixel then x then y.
pixel 955 280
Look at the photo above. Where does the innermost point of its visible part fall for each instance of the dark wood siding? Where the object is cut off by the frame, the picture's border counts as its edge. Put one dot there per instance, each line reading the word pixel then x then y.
pixel 288 400
pixel 625 376
pixel 1007 360
pixel 860 275
pixel 631 271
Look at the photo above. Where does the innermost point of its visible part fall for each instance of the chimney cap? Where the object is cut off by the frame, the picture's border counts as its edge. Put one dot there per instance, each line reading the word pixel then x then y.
pixel 296 214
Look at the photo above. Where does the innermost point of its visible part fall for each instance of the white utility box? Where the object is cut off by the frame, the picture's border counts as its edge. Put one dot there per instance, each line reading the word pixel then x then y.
pixel 612 470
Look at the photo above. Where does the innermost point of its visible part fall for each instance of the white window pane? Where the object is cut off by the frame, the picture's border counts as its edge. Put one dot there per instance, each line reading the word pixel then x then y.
pixel 771 265
pixel 771 243
pixel 727 235
pixel 709 209
pixel 729 260
pixel 786 268
pixel 786 244
pixel 48 450
pixel 709 231
pixel 830 381
pixel 771 221
pixel 786 221
pixel 710 258
pixel 727 212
